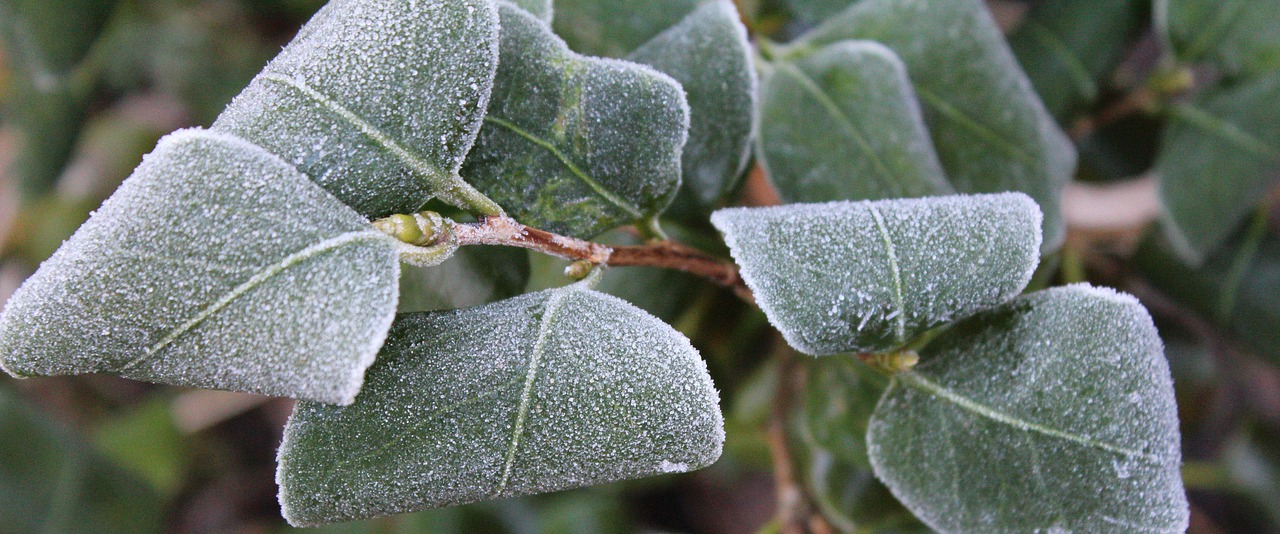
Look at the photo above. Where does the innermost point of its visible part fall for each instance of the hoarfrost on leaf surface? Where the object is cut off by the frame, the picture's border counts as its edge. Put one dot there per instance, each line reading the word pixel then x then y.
pixel 215 265
pixel 1058 406
pixel 547 391
pixel 572 144
pixel 989 127
pixel 870 276
pixel 378 101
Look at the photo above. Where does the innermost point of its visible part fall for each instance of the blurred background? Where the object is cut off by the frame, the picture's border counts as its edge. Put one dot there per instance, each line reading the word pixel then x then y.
pixel 98 453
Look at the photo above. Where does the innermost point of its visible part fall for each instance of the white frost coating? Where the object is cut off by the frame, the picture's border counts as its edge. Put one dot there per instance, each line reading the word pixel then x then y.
pixel 378 101
pixel 1058 404
pixel 870 276
pixel 216 264
pixel 453 412
pixel 573 144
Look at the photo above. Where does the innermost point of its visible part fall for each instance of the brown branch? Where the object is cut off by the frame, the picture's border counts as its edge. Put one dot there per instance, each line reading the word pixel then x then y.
pixel 791 502
pixel 506 231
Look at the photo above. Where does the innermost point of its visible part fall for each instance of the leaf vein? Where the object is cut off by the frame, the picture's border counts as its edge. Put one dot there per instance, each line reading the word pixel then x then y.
pixel 927 386
pixel 955 115
pixel 264 274
pixel 577 172
pixel 901 323
pixel 526 394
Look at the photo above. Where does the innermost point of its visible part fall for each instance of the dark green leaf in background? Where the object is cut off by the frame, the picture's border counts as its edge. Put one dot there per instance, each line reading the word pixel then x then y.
pixel 613 28
pixel 543 9
pixel 989 127
pixel 572 144
pixel 551 390
pixel 812 12
pixel 473 276
pixel 1068 49
pixel 1241 37
pixel 215 265
pixel 378 102
pixel 1219 156
pixel 844 124
pixel 55 482
pixel 871 276
pixel 708 53
pixel 1052 412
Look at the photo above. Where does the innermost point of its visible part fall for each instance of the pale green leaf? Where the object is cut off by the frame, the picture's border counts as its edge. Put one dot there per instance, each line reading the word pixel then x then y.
pixel 543 9
pixel 813 12
pixel 708 53
pixel 613 28
pixel 989 127
pixel 378 102
pixel 1239 36
pixel 215 265
pixel 55 482
pixel 1219 156
pixel 472 276
pixel 1069 48
pixel 572 144
pixel 1054 412
pixel 547 391
pixel 871 276
pixel 844 124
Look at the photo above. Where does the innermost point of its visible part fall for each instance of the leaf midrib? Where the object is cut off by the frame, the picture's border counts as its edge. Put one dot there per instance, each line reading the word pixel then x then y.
pixel 815 91
pixel 918 382
pixel 573 168
pixel 900 327
pixel 944 108
pixel 260 277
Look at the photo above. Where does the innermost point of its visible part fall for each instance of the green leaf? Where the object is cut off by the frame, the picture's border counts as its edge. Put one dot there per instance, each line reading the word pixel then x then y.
pixel 472 276
pixel 547 391
pixel 55 482
pixel 1235 288
pixel 844 124
pixel 1219 156
pixel 572 144
pixel 813 12
pixel 613 28
pixel 871 276
pixel 1058 406
pixel 215 265
pixel 1239 36
pixel 709 55
pixel 1069 48
pixel 47 39
pixel 989 127
pixel 542 9
pixel 378 102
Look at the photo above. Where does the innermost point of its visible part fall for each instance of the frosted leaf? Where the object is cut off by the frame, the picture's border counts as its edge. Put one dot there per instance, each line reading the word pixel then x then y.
pixel 1240 37
pixel 614 28
pixel 1219 157
pixel 870 276
pixel 214 265
pixel 378 101
pixel 1057 405
pixel 813 12
pixel 542 9
pixel 708 53
pixel 844 124
pixel 989 127
pixel 547 391
pixel 572 144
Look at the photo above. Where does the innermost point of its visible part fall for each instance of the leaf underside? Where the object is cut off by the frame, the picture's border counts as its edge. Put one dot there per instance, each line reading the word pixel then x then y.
pixel 1057 405
pixel 547 391
pixel 215 265
pixel 572 144
pixel 844 124
pixel 870 276
pixel 989 127
pixel 378 102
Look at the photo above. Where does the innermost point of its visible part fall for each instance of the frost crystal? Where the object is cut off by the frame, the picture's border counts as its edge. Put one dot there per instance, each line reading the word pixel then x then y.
pixel 870 276
pixel 214 265
pixel 542 392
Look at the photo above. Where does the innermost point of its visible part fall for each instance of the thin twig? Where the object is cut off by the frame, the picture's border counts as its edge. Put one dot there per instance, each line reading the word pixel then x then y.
pixel 501 230
pixel 791 512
